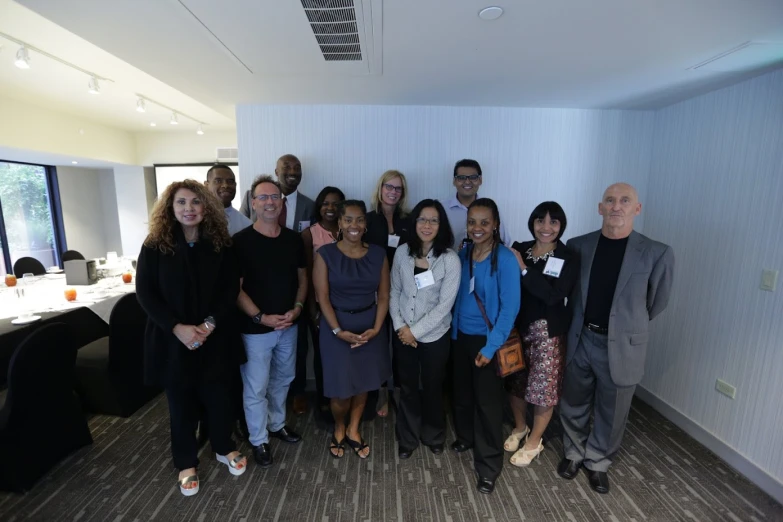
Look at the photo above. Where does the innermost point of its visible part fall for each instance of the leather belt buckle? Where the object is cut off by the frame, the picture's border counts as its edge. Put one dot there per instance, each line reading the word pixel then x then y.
pixel 597 329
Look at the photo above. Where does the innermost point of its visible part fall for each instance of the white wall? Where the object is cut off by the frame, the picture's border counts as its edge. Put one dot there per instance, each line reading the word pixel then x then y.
pixel 527 155
pixel 89 213
pixel 132 211
pixel 155 147
pixel 715 194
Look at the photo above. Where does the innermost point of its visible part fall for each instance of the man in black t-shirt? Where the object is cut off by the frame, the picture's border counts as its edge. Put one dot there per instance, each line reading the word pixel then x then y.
pixel 273 288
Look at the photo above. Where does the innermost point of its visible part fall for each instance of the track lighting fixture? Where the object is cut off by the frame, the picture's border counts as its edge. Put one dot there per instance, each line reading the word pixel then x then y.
pixel 141 106
pixel 22 58
pixel 200 130
pixel 174 120
pixel 93 87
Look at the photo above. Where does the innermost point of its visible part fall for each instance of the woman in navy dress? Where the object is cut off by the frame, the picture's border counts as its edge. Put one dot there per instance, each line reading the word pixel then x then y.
pixel 348 275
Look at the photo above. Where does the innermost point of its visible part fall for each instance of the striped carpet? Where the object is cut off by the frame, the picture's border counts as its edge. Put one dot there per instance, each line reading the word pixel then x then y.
pixel 661 474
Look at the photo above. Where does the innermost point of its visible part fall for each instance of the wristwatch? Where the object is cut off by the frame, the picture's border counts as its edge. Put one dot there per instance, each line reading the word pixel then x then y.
pixel 257 318
pixel 337 330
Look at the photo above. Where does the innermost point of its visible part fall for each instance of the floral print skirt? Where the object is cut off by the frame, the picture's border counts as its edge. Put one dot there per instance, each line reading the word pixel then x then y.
pixel 541 382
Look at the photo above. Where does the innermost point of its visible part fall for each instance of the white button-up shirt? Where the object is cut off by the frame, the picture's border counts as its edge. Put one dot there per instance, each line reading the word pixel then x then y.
pixel 290 208
pixel 458 218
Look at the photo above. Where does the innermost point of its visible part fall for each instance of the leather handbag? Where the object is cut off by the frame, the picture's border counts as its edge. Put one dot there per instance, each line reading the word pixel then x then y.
pixel 509 355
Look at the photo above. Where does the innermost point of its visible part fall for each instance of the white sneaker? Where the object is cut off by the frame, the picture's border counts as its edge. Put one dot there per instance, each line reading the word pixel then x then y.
pixel 522 458
pixel 513 440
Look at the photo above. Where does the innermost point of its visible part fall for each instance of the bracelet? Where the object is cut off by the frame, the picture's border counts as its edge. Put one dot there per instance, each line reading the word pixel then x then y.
pixel 300 305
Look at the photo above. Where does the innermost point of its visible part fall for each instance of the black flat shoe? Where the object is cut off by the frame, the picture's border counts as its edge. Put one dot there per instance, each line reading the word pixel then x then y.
pixel 486 486
pixel 568 469
pixel 436 449
pixel 263 455
pixel 459 446
pixel 286 434
pixel 357 447
pixel 336 447
pixel 599 481
pixel 404 453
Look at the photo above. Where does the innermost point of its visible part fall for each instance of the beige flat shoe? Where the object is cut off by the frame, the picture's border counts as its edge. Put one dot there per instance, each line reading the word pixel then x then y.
pixel 512 442
pixel 522 458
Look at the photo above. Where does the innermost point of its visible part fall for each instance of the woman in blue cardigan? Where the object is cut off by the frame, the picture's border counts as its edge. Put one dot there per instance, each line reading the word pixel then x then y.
pixel 491 273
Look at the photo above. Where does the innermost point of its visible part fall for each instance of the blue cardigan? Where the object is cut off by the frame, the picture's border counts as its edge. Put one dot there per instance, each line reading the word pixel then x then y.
pixel 502 298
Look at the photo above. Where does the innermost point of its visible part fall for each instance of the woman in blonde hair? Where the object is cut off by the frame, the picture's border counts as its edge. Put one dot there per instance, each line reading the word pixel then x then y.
pixel 388 227
pixel 188 285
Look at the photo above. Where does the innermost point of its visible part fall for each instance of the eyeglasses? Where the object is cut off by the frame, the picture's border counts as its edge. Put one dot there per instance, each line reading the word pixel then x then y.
pixel 264 197
pixel 227 182
pixel 389 186
pixel 472 177
pixel 425 221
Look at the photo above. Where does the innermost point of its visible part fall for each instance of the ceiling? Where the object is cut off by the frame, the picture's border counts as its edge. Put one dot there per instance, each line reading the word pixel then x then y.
pixel 559 53
pixel 55 86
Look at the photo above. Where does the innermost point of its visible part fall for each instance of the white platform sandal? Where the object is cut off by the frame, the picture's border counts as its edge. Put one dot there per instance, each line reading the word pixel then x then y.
pixel 513 440
pixel 232 464
pixel 188 492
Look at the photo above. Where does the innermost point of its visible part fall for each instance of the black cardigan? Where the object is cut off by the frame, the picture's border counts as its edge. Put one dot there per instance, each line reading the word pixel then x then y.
pixel 165 292
pixel 547 293
pixel 378 231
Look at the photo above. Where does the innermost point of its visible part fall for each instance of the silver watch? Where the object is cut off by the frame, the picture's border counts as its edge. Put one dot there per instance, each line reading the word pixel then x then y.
pixel 337 330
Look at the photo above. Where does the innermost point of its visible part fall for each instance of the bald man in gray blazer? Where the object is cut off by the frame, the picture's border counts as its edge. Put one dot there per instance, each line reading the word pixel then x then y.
pixel 625 282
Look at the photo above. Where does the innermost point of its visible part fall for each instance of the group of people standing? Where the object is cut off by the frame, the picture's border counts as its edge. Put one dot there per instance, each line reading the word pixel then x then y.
pixel 433 292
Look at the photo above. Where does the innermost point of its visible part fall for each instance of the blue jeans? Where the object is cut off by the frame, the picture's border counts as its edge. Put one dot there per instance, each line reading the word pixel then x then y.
pixel 266 376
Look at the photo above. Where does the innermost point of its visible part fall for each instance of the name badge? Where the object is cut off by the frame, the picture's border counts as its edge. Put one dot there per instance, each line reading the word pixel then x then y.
pixel 472 284
pixel 303 225
pixel 424 279
pixel 553 267
pixel 394 241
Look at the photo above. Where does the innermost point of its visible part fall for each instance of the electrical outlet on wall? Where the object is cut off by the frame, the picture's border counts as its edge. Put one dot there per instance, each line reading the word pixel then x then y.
pixel 726 389
pixel 769 280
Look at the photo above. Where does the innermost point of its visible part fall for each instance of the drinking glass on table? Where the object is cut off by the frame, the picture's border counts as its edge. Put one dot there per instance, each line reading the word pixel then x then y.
pixel 28 278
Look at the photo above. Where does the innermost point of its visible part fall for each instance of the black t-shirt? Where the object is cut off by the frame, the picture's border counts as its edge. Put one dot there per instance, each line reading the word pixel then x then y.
pixel 604 272
pixel 269 266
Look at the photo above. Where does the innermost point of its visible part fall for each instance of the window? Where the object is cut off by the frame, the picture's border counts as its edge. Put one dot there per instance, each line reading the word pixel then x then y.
pixel 28 225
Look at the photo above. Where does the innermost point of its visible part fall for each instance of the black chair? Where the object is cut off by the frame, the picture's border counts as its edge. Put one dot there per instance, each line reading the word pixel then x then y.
pixel 110 370
pixel 71 255
pixel 28 265
pixel 41 421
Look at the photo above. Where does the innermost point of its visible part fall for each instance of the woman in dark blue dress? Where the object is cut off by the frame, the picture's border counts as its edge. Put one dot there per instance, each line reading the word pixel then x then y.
pixel 348 275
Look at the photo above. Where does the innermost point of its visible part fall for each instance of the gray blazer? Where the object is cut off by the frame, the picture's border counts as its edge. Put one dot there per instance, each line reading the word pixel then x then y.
pixel 642 292
pixel 304 209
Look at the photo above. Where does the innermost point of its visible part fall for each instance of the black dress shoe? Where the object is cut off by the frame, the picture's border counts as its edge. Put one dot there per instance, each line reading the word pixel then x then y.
pixel 599 481
pixel 404 453
pixel 436 449
pixel 568 469
pixel 486 486
pixel 263 455
pixel 286 435
pixel 460 447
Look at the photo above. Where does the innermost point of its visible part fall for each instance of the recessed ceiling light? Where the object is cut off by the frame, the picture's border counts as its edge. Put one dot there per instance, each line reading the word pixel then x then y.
pixel 174 120
pixel 140 105
pixel 199 131
pixel 22 58
pixel 491 13
pixel 93 87
pixel 153 124
pixel 75 162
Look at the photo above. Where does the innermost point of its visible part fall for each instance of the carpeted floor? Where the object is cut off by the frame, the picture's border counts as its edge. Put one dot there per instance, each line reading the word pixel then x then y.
pixel 661 474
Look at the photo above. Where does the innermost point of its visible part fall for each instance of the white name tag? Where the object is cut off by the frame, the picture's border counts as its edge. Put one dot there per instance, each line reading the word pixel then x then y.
pixel 394 241
pixel 553 267
pixel 424 279
pixel 472 284
pixel 303 225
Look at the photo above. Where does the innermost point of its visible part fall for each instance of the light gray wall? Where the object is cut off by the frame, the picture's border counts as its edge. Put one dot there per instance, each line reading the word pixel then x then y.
pixel 89 210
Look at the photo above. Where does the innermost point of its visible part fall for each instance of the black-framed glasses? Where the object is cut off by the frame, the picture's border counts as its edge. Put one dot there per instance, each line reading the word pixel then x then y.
pixel 390 187
pixel 428 221
pixel 472 177
pixel 264 197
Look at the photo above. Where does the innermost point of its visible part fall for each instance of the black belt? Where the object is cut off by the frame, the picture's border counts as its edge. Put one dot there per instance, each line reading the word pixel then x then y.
pixel 597 329
pixel 353 311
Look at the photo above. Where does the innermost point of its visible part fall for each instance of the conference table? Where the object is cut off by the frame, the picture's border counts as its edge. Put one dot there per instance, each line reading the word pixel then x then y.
pixel 87 317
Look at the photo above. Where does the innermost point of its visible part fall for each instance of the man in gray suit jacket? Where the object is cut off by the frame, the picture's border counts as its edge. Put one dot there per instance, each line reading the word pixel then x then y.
pixel 298 209
pixel 625 282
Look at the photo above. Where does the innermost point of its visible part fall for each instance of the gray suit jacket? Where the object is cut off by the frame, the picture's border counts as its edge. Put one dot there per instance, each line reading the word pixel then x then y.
pixel 642 292
pixel 304 210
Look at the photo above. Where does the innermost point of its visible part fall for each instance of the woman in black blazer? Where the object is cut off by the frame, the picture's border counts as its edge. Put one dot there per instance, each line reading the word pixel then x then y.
pixel 549 272
pixel 187 283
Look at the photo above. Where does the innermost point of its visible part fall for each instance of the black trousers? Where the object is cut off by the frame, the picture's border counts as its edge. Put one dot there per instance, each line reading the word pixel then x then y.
pixel 478 405
pixel 185 404
pixel 420 413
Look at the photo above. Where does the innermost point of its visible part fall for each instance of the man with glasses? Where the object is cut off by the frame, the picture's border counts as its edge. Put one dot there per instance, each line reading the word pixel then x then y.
pixel 273 286
pixel 222 183
pixel 467 180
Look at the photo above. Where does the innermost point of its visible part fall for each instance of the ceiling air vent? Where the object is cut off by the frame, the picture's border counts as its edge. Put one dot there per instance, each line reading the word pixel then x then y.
pixel 228 154
pixel 335 28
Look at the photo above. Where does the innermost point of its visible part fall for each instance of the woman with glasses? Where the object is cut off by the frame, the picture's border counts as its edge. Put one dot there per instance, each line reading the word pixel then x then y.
pixel 424 283
pixel 388 227
pixel 322 232
pixel 187 283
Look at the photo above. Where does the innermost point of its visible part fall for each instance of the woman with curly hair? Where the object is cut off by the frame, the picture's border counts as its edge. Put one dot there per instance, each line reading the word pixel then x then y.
pixel 187 283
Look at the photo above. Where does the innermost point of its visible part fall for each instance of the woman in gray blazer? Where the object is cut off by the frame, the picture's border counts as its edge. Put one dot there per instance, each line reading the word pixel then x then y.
pixel 424 283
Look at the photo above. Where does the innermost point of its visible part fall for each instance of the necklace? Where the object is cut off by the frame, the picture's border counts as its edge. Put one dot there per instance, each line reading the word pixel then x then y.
pixel 481 256
pixel 536 259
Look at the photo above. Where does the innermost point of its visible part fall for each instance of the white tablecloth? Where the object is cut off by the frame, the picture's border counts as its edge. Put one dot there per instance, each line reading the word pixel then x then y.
pixel 47 294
